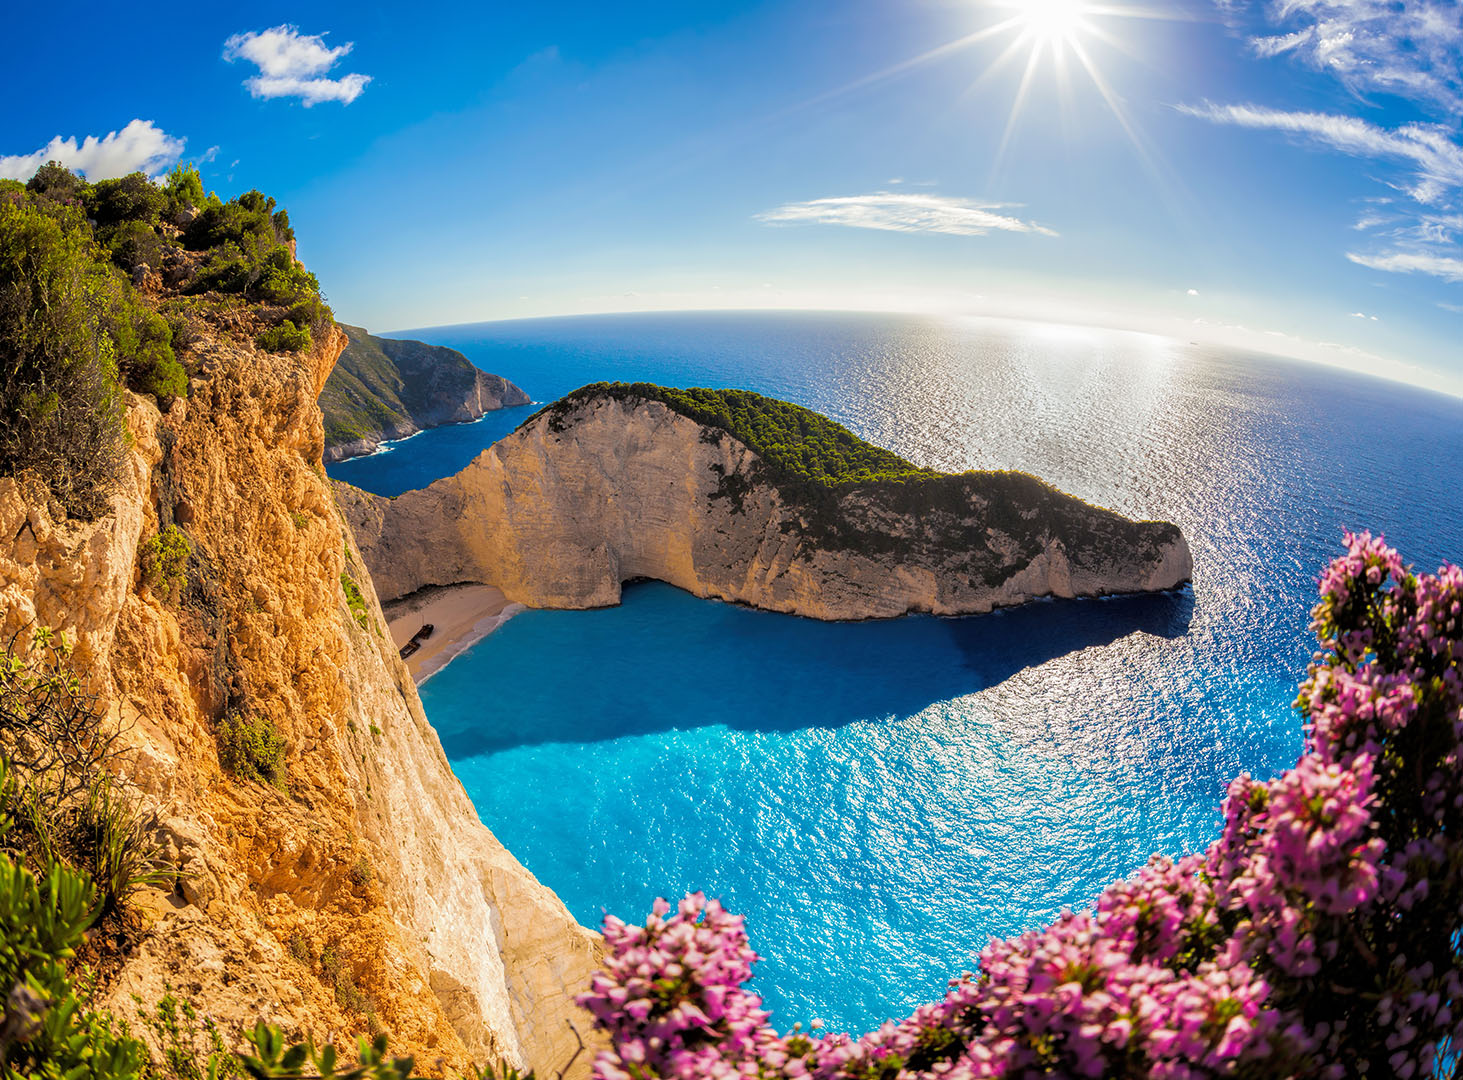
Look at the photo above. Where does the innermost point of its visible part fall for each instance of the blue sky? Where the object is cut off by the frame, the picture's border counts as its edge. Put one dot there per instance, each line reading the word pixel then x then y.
pixel 1282 176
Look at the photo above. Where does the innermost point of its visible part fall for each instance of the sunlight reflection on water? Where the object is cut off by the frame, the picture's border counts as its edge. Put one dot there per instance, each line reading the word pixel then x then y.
pixel 882 798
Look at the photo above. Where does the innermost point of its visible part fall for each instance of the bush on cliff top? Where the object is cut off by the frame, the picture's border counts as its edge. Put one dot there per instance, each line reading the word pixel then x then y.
pixel 1320 936
pixel 74 330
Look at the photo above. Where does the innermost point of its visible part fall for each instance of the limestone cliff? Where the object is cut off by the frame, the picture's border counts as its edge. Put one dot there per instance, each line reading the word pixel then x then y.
pixel 384 388
pixel 612 485
pixel 362 891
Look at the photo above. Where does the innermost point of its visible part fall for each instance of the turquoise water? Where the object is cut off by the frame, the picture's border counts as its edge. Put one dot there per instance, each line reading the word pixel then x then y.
pixel 881 798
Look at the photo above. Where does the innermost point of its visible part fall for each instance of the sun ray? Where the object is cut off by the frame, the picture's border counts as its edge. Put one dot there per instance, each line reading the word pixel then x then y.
pixel 903 66
pixel 1033 61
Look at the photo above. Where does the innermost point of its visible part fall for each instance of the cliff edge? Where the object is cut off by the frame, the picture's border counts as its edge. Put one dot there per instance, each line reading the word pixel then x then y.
pixel 732 495
pixel 384 388
pixel 358 891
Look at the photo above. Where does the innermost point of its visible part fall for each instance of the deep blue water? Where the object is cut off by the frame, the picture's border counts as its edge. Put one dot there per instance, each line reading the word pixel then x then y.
pixel 880 799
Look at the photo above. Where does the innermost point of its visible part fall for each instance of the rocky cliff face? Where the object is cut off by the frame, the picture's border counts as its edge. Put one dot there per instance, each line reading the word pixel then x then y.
pixel 611 488
pixel 363 891
pixel 383 389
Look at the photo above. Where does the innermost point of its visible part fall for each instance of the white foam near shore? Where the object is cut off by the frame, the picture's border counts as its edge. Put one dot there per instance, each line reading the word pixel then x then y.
pixel 460 615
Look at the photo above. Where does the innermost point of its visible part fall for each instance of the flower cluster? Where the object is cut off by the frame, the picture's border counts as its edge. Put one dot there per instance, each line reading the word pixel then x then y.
pixel 1320 936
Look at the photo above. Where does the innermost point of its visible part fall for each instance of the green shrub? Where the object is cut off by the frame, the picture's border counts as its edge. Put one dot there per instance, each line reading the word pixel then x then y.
pixel 356 601
pixel 183 189
pixel 59 798
pixel 226 270
pixel 251 748
pixel 48 1033
pixel 361 873
pixel 134 244
pixel 118 839
pixel 273 1058
pixel 57 183
pixel 61 412
pixel 145 353
pixel 192 1046
pixel 286 337
pixel 248 221
pixel 312 313
pixel 128 198
pixel 164 562
pixel 283 280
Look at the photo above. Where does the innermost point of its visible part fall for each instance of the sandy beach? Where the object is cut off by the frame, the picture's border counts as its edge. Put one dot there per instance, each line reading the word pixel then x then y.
pixel 461 616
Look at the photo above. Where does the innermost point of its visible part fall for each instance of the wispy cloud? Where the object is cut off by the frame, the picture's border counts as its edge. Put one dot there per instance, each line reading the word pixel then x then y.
pixel 141 146
pixel 292 64
pixel 904 212
pixel 1427 148
pixel 1409 48
pixel 1413 262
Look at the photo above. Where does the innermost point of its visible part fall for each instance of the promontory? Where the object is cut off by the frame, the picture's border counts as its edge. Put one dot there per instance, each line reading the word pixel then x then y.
pixel 729 494
pixel 388 388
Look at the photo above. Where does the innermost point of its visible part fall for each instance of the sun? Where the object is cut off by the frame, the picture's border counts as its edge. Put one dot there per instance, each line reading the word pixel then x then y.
pixel 1049 22
pixel 1062 36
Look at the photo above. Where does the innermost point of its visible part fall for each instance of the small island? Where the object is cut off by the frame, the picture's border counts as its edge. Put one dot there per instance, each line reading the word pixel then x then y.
pixel 733 495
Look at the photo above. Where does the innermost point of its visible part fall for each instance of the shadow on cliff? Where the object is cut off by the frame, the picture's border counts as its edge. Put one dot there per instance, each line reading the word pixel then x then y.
pixel 665 660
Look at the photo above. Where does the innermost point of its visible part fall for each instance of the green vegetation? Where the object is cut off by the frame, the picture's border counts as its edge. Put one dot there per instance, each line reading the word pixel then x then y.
pixel 286 337
pixel 61 411
pixel 60 801
pixel 382 388
pixel 798 444
pixel 164 562
pixel 251 748
pixel 356 601
pixel 361 873
pixel 90 276
pixel 48 1032
pixel 192 1045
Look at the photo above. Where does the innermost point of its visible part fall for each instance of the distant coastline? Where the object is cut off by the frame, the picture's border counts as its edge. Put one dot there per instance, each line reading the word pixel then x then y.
pixel 386 390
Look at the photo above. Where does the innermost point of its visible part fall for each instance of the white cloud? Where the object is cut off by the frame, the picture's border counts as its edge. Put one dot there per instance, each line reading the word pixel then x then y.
pixel 292 64
pixel 140 146
pixel 1413 262
pixel 1193 292
pixel 1409 49
pixel 1456 309
pixel 1363 315
pixel 1404 47
pixel 1426 148
pixel 1424 237
pixel 903 212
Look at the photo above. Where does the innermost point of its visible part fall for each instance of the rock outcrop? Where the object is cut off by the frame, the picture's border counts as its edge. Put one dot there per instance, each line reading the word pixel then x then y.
pixel 361 892
pixel 383 389
pixel 610 486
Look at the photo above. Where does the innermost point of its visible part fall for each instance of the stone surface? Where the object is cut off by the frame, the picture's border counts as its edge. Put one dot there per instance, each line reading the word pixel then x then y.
pixel 565 509
pixel 364 890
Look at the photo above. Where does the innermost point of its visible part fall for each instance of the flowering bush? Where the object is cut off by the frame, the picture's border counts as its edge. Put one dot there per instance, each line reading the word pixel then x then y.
pixel 1319 936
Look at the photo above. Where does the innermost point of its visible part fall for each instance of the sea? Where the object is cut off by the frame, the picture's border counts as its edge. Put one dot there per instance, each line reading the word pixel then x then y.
pixel 881 799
